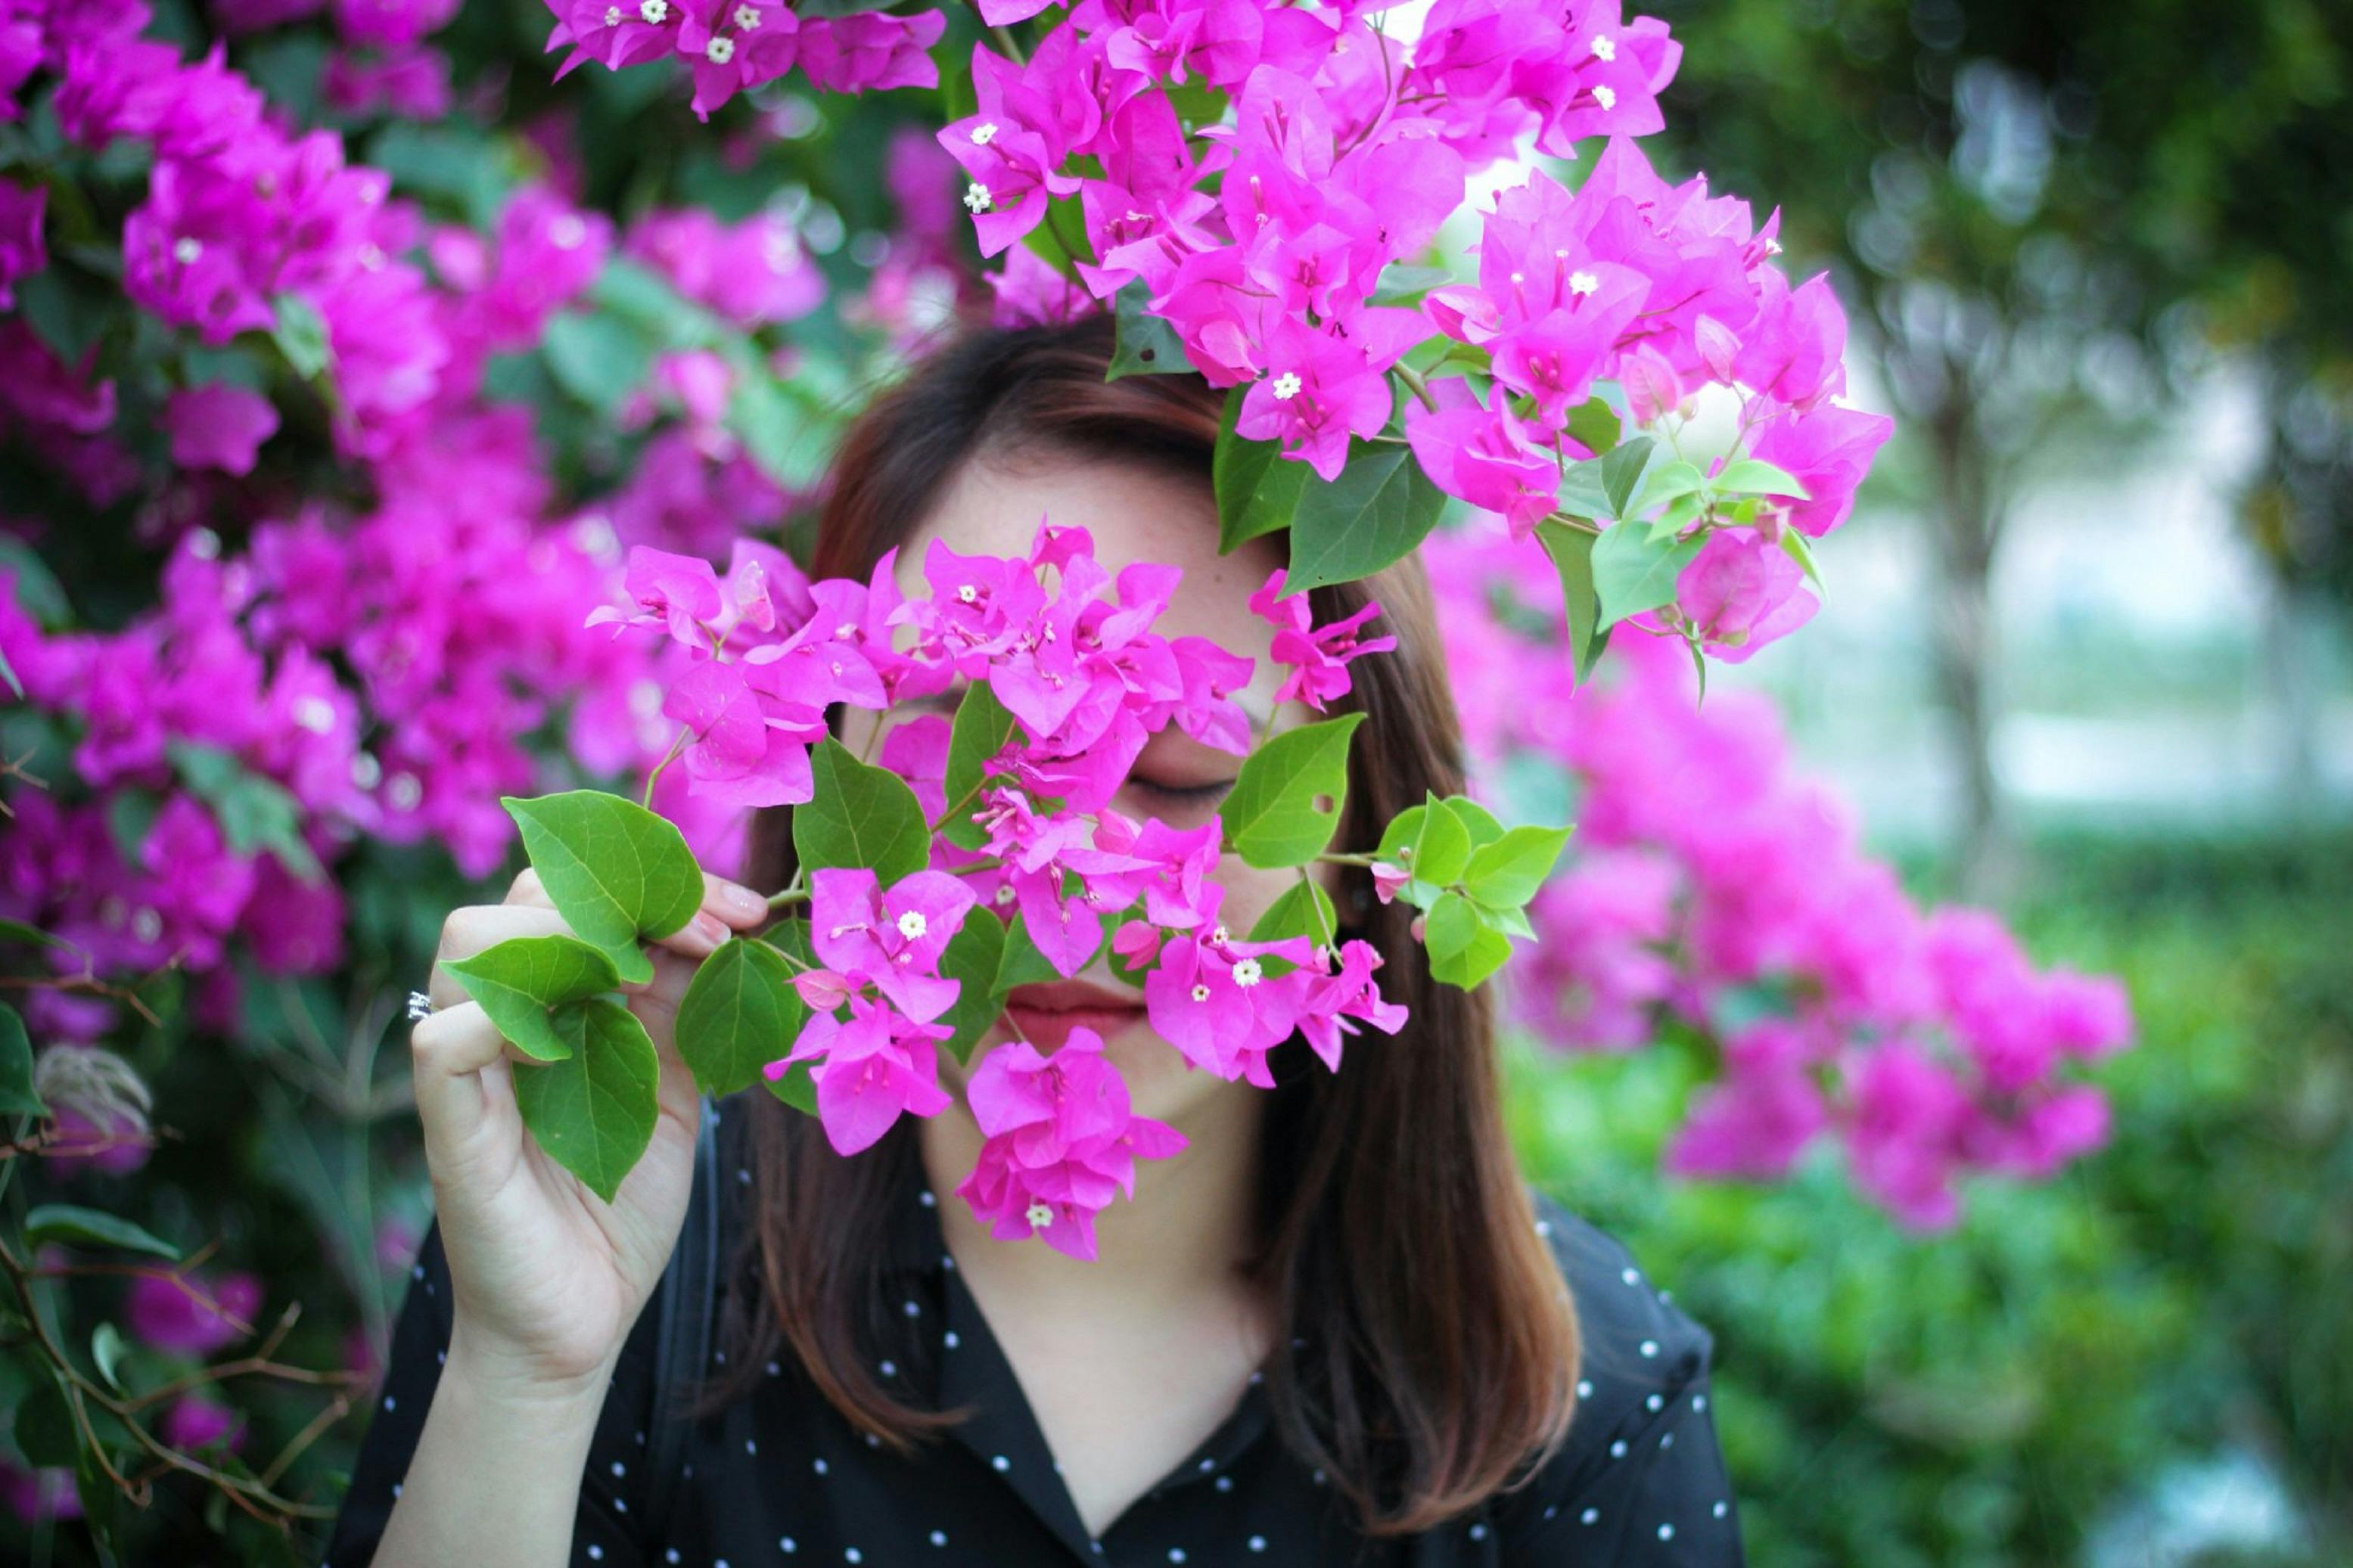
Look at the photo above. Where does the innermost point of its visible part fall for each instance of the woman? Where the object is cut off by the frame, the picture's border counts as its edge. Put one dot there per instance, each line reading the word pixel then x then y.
pixel 1332 1329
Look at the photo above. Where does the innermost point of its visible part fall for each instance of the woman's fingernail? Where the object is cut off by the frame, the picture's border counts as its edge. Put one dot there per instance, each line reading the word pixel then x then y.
pixel 741 901
pixel 709 927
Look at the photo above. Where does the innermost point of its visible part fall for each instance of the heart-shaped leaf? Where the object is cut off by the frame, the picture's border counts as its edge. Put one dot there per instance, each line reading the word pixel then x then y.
pixel 1142 343
pixel 795 1086
pixel 983 726
pixel 520 979
pixel 859 816
pixel 1304 908
pixel 615 871
pixel 594 1110
pixel 1373 515
pixel 1633 572
pixel 739 1012
pixel 1256 490
pixel 973 958
pixel 1505 874
pixel 1286 800
pixel 1571 550
pixel 1463 950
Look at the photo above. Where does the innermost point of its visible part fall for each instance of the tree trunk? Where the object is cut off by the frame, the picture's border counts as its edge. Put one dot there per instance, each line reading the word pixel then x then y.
pixel 1967 527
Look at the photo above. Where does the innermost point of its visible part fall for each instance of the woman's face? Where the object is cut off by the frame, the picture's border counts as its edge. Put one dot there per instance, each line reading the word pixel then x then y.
pixel 1135 514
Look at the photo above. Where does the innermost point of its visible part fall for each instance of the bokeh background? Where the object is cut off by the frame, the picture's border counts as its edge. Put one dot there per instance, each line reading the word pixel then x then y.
pixel 2086 658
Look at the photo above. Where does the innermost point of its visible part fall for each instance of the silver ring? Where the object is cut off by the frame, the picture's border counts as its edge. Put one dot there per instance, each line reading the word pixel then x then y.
pixel 419 1006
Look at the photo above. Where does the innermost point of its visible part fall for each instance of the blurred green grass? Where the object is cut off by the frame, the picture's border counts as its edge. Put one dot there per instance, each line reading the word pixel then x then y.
pixel 1986 1397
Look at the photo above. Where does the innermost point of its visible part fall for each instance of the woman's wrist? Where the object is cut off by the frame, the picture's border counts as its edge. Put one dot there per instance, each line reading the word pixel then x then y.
pixel 504 1376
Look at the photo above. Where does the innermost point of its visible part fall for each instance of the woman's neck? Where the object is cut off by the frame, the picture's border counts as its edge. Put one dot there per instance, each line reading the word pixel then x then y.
pixel 1190 1228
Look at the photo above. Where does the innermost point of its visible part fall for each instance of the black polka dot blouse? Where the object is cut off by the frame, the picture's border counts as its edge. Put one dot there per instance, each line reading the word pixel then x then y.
pixel 779 1478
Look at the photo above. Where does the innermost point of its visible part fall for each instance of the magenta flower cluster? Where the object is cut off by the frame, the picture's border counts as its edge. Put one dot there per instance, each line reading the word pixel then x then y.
pixel 1067 651
pixel 1715 886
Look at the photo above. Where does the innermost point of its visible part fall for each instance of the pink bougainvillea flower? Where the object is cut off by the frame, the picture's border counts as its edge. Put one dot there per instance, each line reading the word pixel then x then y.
pixel 1061 1141
pixel 1828 450
pixel 192 1314
pixel 1741 592
pixel 892 936
pixel 219 426
pixel 869 1072
pixel 1318 655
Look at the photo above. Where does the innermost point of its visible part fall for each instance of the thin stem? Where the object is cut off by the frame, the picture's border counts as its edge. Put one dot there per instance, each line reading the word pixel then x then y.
pixel 1415 384
pixel 676 746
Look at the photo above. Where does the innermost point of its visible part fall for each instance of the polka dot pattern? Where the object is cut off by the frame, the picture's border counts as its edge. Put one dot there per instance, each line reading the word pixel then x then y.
pixel 778 1475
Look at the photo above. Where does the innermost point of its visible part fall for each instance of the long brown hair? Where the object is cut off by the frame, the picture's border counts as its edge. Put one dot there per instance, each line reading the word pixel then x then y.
pixel 1394 1232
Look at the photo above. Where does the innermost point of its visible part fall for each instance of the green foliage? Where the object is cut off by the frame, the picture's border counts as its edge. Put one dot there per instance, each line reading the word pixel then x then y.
pixel 1257 489
pixel 594 1108
pixel 1571 550
pixel 614 871
pixel 859 817
pixel 973 959
pixel 1381 506
pixel 1286 800
pixel 1986 1397
pixel 1634 569
pixel 518 983
pixel 1143 343
pixel 18 1096
pixel 739 1012
pixel 983 726
pixel 73 1224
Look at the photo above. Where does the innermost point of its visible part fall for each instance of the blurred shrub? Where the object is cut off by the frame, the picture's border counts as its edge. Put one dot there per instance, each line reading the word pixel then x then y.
pixel 1982 1400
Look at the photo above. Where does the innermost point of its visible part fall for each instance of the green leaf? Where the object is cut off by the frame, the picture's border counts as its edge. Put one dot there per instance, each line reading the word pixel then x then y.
pixel 45 1430
pixel 1596 427
pixel 1197 102
pixel 1463 950
pixel 983 725
pixel 77 1226
pixel 1285 803
pixel 68 313
pixel 8 673
pixel 594 1110
pixel 1754 476
pixel 1256 490
pixel 1402 285
pixel 972 959
pixel 1506 873
pixel 598 359
pixel 1476 819
pixel 18 931
pixel 106 1348
pixel 1304 908
pixel 1380 507
pixel 796 1087
pixel 520 979
pixel 1428 840
pixel 615 871
pixel 860 815
pixel 17 1095
pixel 1021 963
pixel 1146 344
pixel 301 334
pixel 791 441
pixel 739 1012
pixel 1621 472
pixel 1633 572
pixel 1581 491
pixel 254 813
pixel 1795 546
pixel 1571 550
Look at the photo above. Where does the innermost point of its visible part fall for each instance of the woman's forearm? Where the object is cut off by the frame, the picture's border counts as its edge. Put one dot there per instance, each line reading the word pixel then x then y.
pixel 496 1475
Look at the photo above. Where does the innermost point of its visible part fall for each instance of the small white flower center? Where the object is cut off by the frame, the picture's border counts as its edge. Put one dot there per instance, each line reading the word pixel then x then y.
pixel 569 231
pixel 612 15
pixel 747 18
pixel 655 11
pixel 1004 892
pixel 186 251
pixel 315 714
pixel 984 134
pixel 1248 973
pixel 976 198
pixel 1607 96
pixel 847 630
pixel 1039 1216
pixel 913 925
pixel 1604 47
pixel 720 50
pixel 1201 991
pixel 1582 282
pixel 1285 387
pixel 1220 935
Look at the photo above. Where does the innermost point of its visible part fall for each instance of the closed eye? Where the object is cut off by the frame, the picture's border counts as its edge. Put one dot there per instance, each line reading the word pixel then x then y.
pixel 1201 795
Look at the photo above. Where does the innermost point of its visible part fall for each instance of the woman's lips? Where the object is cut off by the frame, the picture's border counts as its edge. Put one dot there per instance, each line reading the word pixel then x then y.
pixel 1047 1014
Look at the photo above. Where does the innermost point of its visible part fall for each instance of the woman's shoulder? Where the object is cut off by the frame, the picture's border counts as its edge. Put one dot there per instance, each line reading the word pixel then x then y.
pixel 1632 1337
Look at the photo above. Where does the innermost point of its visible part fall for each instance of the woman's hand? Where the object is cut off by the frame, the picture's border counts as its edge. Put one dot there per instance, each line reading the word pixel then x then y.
pixel 549 1278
